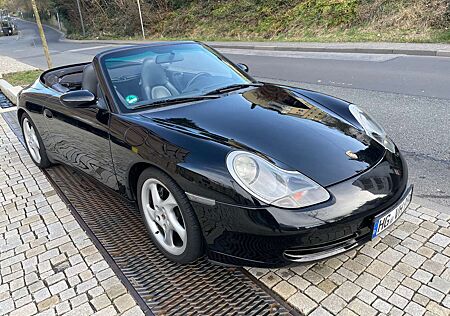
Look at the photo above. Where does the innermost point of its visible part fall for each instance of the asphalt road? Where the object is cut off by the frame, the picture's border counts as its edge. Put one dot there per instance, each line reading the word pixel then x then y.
pixel 409 95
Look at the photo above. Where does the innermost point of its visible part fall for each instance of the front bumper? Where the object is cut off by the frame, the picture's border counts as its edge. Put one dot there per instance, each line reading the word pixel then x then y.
pixel 273 237
pixel 308 254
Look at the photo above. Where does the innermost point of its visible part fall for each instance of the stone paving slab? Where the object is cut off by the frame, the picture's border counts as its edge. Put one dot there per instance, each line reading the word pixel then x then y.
pixel 48 264
pixel 405 272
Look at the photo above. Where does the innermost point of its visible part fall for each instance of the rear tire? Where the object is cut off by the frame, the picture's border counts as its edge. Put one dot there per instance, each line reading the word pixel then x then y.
pixel 33 142
pixel 169 217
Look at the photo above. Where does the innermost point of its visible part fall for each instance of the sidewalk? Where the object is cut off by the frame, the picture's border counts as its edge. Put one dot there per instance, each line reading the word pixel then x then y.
pixel 48 265
pixel 370 48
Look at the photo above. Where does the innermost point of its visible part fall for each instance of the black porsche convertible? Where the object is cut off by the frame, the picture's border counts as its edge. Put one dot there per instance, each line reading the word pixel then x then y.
pixel 249 172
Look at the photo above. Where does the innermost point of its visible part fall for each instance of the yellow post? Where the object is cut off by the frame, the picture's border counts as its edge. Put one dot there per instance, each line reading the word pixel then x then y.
pixel 42 34
pixel 140 16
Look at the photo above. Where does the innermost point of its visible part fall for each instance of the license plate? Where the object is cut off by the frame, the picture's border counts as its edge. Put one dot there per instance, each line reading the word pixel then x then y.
pixel 382 222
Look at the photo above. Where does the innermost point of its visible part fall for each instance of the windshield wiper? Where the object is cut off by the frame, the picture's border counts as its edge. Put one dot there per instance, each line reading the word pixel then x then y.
pixel 176 101
pixel 233 87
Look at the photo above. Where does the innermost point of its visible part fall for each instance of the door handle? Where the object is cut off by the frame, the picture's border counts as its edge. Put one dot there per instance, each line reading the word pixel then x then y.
pixel 48 114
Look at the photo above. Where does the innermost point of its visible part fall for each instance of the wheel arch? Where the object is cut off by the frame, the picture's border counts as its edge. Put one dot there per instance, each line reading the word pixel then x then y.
pixel 134 173
pixel 20 113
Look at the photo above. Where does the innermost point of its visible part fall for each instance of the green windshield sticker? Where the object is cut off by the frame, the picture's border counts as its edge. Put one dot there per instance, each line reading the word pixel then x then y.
pixel 132 99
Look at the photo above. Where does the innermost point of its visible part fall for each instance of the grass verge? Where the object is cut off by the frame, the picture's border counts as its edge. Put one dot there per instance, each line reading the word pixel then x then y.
pixel 22 78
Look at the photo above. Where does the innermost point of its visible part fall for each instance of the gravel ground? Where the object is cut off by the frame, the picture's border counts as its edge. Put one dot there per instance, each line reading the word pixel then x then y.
pixel 8 65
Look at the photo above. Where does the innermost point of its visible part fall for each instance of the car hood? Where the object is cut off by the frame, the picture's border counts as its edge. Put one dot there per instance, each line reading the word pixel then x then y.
pixel 282 124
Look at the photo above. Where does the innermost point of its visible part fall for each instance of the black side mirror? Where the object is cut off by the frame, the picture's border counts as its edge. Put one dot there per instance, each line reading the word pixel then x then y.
pixel 78 99
pixel 244 67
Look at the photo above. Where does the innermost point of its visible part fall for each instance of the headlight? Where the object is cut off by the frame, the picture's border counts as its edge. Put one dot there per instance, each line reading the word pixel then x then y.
pixel 273 185
pixel 372 128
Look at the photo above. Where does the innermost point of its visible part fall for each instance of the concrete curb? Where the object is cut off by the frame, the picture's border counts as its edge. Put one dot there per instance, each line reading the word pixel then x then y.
pixel 9 91
pixel 443 53
pixel 292 48
pixel 416 52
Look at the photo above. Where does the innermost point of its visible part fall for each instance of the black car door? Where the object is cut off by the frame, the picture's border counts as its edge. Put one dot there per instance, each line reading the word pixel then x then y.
pixel 80 138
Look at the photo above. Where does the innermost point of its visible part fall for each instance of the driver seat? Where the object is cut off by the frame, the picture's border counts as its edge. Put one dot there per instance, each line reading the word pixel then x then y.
pixel 154 82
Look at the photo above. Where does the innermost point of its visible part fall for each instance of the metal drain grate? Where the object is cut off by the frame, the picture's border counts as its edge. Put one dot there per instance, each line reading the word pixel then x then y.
pixel 201 288
pixel 163 287
pixel 4 102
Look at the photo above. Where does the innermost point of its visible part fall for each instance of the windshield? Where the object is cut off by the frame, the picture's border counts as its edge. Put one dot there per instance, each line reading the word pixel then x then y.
pixel 146 75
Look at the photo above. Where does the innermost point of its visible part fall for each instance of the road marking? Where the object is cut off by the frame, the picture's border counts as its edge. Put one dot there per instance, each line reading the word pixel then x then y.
pixel 86 48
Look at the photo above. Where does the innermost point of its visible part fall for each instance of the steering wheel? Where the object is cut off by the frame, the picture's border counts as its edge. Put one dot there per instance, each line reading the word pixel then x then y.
pixel 200 74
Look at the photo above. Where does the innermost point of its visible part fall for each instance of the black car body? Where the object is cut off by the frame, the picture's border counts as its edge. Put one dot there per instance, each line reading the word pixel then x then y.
pixel 294 129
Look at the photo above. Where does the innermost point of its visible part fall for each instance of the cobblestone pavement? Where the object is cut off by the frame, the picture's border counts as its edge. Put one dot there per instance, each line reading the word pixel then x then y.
pixel 48 265
pixel 405 272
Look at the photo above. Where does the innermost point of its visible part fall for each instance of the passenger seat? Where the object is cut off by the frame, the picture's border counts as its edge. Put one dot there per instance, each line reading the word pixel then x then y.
pixel 154 82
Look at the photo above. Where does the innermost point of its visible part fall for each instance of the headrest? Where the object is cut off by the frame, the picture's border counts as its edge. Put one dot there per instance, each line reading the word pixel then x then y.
pixel 153 74
pixel 89 80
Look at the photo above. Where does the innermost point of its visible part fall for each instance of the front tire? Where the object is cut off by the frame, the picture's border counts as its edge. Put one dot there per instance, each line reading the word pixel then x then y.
pixel 169 217
pixel 33 142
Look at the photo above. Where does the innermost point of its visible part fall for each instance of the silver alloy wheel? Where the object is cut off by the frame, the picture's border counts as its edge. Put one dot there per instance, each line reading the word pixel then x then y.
pixel 163 216
pixel 32 141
